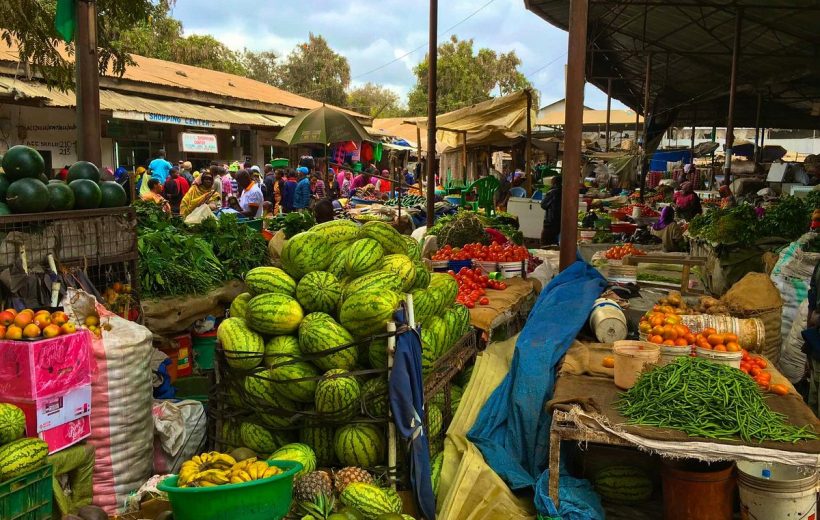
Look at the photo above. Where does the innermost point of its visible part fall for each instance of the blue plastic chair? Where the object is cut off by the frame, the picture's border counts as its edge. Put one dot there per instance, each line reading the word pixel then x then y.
pixel 518 191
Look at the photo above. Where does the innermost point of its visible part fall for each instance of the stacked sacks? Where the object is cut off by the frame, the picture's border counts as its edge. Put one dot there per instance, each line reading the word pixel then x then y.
pixel 299 347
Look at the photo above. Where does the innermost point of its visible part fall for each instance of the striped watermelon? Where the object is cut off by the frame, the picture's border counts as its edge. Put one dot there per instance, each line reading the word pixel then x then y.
pixel 386 235
pixel 422 276
pixel 336 231
pixel 338 395
pixel 339 259
pixel 435 421
pixel 439 398
pixel 436 447
pixel 12 423
pixel 321 440
pixel 281 348
pixel 274 314
pixel 424 305
pixel 623 484
pixel 316 316
pixel 452 327
pixel 446 289
pixel 285 381
pixel 319 291
pixel 297 452
pixel 429 350
pixel 229 437
pixel 21 456
pixel 259 439
pixel 374 397
pixel 462 319
pixel 439 335
pixel 372 501
pixel 377 280
pixel 305 252
pixel 243 347
pixel 239 305
pixel 393 499
pixel 363 256
pixel 360 444
pixel 366 313
pixel 317 336
pixel 261 280
pixel 401 266
pixel 435 471
pixel 377 353
pixel 260 392
pixel 412 248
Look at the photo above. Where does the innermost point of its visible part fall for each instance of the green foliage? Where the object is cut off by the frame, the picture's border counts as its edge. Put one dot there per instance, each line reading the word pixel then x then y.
pixel 465 78
pixel 237 246
pixel 458 230
pixel 293 223
pixel 316 71
pixel 813 199
pixel 261 66
pixel 375 101
pixel 788 218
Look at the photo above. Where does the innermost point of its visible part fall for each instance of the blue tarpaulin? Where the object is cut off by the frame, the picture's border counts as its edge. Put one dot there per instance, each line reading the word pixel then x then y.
pixel 512 429
pixel 406 390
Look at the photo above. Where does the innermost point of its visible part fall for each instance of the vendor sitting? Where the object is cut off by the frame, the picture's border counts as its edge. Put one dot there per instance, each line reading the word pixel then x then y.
pixel 668 231
pixel 687 202
pixel 727 200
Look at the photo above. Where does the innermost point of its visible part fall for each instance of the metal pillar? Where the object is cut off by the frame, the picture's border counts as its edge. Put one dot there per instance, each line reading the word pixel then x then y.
pixel 608 109
pixel 692 143
pixel 646 98
pixel 573 122
pixel 730 124
pixel 528 161
pixel 432 93
pixel 88 84
pixel 757 127
pixel 420 180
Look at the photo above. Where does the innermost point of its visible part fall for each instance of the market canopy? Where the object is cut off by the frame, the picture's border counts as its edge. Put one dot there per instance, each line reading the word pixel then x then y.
pixel 690 43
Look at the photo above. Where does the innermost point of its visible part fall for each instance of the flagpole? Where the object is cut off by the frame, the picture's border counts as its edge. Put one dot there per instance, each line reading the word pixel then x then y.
pixel 88 84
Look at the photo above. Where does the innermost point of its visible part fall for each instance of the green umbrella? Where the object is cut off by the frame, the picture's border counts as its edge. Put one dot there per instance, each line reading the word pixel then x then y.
pixel 322 125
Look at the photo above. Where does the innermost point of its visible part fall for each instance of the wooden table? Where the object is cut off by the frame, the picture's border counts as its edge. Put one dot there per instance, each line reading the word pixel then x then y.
pixel 686 261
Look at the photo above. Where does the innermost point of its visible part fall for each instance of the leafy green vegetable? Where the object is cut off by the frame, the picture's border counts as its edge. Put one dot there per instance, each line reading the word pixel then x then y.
pixel 728 226
pixel 238 247
pixel 789 218
pixel 462 228
pixel 293 223
pixel 175 264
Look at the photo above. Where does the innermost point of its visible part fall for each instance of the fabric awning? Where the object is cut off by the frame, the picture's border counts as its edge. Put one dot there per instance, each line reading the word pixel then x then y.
pixel 130 106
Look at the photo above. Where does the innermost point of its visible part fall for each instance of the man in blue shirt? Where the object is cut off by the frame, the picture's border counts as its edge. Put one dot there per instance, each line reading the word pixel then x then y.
pixel 159 167
pixel 301 199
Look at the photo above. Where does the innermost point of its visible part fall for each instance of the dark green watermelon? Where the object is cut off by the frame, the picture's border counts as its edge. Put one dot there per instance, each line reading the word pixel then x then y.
pixel 61 197
pixel 87 194
pixel 23 162
pixel 113 195
pixel 4 209
pixel 83 170
pixel 27 196
pixel 4 187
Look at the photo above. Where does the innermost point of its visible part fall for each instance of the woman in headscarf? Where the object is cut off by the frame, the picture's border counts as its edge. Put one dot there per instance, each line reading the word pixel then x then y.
pixel 142 182
pixel 124 180
pixel 202 192
pixel 687 202
pixel 727 200
pixel 668 231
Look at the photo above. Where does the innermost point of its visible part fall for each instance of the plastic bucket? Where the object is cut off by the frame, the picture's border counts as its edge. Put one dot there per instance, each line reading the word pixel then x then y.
pixel 631 357
pixel 513 269
pixel 204 347
pixel 440 266
pixel 670 354
pixel 486 266
pixel 607 321
pixel 586 235
pixel 266 499
pixel 456 265
pixel 732 359
pixel 788 492
pixel 697 490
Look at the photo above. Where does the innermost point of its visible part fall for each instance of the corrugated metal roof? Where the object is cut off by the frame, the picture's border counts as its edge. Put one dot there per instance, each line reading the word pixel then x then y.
pixel 690 42
pixel 115 101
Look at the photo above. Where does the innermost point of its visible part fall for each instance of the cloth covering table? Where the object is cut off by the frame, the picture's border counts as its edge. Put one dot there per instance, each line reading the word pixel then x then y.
pixel 506 308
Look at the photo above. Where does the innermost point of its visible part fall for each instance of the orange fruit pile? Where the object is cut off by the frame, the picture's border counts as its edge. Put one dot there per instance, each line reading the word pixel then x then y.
pixel 666 329
pixel 31 325
pixel 711 339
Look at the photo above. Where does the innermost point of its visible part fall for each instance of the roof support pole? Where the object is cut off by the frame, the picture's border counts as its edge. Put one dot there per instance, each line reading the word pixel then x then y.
pixel 692 137
pixel 420 180
pixel 730 125
pixel 432 94
pixel 528 166
pixel 757 126
pixel 464 156
pixel 646 95
pixel 608 109
pixel 88 84
pixel 573 122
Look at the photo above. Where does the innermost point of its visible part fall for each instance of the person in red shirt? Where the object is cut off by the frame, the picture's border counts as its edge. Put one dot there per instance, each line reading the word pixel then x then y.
pixel 182 182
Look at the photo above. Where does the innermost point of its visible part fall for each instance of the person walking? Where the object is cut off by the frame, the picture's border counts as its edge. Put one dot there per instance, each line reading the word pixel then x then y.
pixel 288 191
pixel 319 188
pixel 301 196
pixel 185 171
pixel 551 204
pixel 160 168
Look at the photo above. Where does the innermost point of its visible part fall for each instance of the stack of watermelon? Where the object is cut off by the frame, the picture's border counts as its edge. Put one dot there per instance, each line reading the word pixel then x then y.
pixel 18 454
pixel 299 344
pixel 24 188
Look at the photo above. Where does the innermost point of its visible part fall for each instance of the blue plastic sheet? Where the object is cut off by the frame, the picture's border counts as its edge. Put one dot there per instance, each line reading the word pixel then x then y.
pixel 512 429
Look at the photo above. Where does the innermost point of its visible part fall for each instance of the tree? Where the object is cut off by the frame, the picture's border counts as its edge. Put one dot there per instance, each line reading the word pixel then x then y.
pixel 374 100
pixel 262 66
pixel 465 77
pixel 31 24
pixel 316 71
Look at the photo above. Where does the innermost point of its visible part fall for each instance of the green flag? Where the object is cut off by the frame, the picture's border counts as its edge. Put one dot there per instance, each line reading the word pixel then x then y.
pixel 66 20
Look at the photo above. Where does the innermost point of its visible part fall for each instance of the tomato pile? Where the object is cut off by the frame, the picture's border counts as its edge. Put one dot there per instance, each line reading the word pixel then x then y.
pixel 646 211
pixel 711 339
pixel 472 285
pixel 666 329
pixel 755 366
pixel 495 252
pixel 618 252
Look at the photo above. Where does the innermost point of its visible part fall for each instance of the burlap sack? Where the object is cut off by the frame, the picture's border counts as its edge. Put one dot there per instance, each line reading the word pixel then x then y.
pixel 755 296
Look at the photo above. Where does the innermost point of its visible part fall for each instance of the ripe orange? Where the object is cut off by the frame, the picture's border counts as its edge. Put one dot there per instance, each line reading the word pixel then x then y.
pixel 645 327
pixel 31 331
pixel 608 362
pixel 14 332
pixel 668 342
pixel 23 319
pixel 656 339
pixel 715 339
pixel 656 321
pixel 732 346
pixel 730 337
pixel 681 342
pixel 669 333
pixel 720 347
pixel 708 331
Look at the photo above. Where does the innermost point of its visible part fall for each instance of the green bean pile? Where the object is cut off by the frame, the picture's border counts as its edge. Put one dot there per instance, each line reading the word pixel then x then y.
pixel 706 399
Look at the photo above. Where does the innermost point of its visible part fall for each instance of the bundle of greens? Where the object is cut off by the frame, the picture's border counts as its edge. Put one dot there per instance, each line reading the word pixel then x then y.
pixel 237 246
pixel 175 264
pixel 460 229
pixel 293 223
pixel 727 226
pixel 789 218
pixel 706 399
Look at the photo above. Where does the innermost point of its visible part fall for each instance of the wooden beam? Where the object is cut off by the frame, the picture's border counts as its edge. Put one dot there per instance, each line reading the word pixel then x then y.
pixel 528 164
pixel 88 84
pixel 432 93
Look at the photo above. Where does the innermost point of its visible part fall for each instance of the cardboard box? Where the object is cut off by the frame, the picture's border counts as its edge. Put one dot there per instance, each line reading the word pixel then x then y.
pixel 68 434
pixel 50 412
pixel 32 370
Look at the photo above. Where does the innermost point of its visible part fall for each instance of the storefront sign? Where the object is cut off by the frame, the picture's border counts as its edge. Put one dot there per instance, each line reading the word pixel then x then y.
pixel 198 143
pixel 168 120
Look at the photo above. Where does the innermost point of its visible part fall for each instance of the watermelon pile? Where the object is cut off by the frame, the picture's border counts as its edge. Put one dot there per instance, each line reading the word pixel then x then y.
pixel 18 454
pixel 303 363
pixel 24 187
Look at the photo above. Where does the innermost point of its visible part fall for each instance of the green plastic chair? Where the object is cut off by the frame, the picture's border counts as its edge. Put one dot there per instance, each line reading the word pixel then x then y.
pixel 453 186
pixel 485 194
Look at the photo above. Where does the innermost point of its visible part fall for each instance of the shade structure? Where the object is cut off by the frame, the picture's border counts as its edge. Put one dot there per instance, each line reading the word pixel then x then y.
pixel 322 125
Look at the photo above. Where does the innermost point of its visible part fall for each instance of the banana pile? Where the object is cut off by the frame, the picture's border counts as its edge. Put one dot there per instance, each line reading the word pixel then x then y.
pixel 216 469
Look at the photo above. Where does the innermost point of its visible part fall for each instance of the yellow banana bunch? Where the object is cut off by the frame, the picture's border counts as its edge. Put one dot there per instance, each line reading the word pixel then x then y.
pixel 187 471
pixel 242 465
pixel 271 471
pixel 214 477
pixel 240 476
pixel 257 469
pixel 221 461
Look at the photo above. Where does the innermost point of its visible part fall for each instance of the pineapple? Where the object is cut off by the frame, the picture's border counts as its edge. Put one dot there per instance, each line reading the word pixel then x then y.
pixel 315 483
pixel 346 476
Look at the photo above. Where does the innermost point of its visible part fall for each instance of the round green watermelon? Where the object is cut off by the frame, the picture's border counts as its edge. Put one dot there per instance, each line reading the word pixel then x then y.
pixel 4 187
pixel 23 162
pixel 27 196
pixel 61 197
pixel 361 445
pixel 87 194
pixel 4 209
pixel 113 195
pixel 83 170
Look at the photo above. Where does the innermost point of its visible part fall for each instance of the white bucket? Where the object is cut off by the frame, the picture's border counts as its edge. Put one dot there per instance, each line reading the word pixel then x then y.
pixel 787 492
pixel 631 357
pixel 607 321
pixel 513 269
pixel 486 266
pixel 636 212
pixel 670 354
pixel 732 359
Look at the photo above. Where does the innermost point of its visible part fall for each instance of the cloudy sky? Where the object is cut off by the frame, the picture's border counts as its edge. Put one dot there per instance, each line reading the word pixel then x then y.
pixel 384 39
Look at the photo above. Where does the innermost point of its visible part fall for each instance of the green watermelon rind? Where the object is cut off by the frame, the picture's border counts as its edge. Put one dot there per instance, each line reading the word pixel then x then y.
pixel 274 314
pixel 297 452
pixel 21 456
pixel 12 423
pixel 360 444
pixel 243 347
pixel 338 396
pixel 269 279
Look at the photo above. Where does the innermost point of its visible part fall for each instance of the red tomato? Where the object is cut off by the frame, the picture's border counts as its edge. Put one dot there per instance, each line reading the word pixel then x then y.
pixel 469 304
pixel 484 301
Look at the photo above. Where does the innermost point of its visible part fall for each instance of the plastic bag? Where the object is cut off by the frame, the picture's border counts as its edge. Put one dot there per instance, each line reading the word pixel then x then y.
pixel 199 214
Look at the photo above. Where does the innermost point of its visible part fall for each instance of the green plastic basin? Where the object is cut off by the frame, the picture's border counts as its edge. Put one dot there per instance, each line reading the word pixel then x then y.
pixel 266 499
